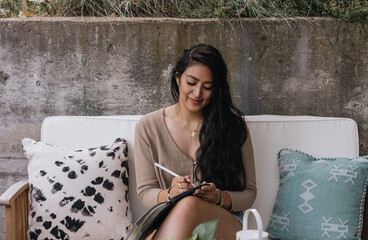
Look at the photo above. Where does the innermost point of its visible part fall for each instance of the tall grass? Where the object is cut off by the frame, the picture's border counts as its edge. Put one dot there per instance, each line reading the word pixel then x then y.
pixel 9 9
pixel 352 10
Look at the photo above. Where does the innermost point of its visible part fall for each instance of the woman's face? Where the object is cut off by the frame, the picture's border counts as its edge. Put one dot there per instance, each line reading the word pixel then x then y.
pixel 195 87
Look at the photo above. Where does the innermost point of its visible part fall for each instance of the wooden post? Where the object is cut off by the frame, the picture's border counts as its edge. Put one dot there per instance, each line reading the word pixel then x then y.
pixel 24 5
pixel 16 203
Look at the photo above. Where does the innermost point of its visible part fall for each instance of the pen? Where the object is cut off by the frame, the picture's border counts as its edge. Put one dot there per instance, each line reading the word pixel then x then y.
pixel 169 171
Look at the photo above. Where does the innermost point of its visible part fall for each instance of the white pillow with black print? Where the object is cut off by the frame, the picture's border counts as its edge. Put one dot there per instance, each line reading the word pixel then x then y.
pixel 78 194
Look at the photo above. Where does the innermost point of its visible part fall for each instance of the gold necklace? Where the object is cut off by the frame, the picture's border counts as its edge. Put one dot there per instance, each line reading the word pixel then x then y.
pixel 193 133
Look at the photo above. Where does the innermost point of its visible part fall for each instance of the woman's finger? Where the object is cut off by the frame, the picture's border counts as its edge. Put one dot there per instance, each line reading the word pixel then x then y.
pixel 207 193
pixel 211 187
pixel 179 179
pixel 208 197
pixel 179 191
pixel 187 178
pixel 180 184
pixel 185 185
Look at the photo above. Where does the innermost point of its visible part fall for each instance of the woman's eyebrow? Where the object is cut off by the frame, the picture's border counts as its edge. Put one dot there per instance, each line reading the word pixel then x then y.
pixel 208 82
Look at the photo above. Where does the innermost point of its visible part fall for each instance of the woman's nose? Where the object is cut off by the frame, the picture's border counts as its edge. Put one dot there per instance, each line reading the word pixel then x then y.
pixel 197 92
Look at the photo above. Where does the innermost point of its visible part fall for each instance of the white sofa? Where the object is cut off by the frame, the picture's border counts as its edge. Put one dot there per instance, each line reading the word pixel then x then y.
pixel 318 136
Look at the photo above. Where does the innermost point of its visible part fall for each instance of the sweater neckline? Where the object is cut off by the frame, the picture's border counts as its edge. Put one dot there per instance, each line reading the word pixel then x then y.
pixel 171 137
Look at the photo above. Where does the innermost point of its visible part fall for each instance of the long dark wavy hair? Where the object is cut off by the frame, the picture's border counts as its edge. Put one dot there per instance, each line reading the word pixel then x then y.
pixel 223 130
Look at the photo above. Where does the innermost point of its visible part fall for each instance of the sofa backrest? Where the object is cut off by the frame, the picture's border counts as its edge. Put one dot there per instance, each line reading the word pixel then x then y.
pixel 317 136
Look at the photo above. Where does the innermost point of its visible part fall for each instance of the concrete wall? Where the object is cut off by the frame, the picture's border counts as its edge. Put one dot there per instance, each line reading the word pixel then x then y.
pixel 97 66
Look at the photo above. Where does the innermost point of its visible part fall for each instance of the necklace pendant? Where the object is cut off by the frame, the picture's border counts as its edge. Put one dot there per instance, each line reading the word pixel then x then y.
pixel 192 134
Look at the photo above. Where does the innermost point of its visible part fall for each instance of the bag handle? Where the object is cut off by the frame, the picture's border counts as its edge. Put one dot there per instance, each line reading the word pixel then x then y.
pixel 258 219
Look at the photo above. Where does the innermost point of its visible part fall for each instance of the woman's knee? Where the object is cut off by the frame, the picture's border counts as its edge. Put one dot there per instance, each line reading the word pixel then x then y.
pixel 189 207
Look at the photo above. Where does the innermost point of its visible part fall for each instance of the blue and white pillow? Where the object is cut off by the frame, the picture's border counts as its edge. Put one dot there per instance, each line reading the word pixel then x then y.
pixel 78 194
pixel 319 198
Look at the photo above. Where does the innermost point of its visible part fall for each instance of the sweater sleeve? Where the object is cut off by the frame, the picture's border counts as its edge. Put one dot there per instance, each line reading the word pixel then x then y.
pixel 242 200
pixel 147 184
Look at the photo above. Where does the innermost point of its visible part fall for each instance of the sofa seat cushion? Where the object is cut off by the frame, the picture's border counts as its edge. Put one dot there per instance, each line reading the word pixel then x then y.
pixel 78 193
pixel 319 198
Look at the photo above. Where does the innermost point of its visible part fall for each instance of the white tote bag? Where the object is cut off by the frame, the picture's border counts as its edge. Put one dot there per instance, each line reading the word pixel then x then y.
pixel 246 234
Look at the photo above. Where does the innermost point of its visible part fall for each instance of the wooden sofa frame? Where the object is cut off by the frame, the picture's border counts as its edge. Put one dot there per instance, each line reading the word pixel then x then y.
pixel 16 203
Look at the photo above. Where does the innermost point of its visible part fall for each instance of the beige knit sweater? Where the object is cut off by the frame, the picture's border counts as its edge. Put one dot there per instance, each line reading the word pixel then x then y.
pixel 154 144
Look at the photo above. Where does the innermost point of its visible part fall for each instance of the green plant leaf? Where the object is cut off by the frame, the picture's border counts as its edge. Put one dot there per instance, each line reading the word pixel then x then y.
pixel 205 231
pixel 194 236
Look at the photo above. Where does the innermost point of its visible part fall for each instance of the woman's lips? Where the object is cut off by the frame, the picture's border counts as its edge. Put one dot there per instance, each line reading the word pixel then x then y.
pixel 195 101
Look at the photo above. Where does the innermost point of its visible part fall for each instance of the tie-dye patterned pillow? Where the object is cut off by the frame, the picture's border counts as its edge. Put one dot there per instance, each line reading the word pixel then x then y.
pixel 319 198
pixel 78 194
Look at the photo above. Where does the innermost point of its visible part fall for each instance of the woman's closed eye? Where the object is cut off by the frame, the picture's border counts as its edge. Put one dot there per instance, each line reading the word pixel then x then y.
pixel 205 87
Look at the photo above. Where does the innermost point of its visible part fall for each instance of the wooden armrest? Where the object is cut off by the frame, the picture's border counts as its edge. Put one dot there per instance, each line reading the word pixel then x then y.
pixel 13 192
pixel 16 203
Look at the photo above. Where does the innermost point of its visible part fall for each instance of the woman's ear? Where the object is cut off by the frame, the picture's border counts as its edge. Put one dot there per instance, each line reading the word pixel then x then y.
pixel 177 77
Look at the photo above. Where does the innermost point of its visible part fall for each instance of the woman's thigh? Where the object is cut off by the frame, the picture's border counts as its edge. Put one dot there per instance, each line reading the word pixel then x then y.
pixel 190 212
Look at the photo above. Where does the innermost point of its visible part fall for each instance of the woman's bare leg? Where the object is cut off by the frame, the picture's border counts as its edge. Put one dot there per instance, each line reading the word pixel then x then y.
pixel 151 235
pixel 190 212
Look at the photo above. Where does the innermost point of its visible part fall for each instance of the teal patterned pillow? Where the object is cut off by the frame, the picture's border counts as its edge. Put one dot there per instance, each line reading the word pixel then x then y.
pixel 319 198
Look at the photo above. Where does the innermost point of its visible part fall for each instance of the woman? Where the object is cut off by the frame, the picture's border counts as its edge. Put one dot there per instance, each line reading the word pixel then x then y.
pixel 203 138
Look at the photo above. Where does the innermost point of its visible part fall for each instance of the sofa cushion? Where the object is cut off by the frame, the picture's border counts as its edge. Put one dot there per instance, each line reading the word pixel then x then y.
pixel 78 194
pixel 319 198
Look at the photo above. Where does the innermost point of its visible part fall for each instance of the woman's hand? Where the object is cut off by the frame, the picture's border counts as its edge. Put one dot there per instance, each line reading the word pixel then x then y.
pixel 208 193
pixel 180 185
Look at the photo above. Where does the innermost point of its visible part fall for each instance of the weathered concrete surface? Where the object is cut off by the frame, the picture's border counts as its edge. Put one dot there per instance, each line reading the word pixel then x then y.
pixel 98 66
